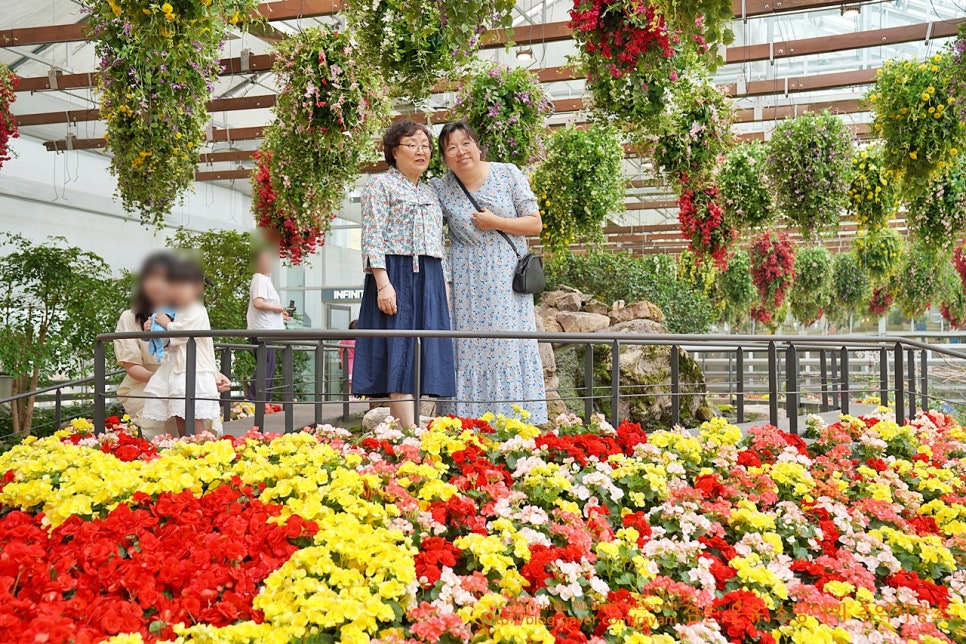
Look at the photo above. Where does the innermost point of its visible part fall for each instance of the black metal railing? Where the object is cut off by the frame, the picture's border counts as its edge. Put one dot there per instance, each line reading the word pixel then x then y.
pixel 900 376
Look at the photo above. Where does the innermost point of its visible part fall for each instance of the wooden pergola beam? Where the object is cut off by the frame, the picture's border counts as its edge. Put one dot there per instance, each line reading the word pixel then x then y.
pixel 271 11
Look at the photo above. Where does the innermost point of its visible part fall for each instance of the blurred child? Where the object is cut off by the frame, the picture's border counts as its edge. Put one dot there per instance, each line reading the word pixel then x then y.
pixel 166 389
pixel 347 356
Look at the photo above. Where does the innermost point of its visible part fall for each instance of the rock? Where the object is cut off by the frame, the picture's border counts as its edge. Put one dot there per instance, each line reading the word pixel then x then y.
pixel 596 306
pixel 378 415
pixel 562 300
pixel 579 322
pixel 704 413
pixel 642 310
pixel 555 406
pixel 642 327
pixel 549 363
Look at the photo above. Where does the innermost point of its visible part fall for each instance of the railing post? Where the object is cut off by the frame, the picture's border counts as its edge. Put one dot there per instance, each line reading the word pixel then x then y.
pixel 100 388
pixel 288 379
pixel 835 377
pixel 190 377
pixel 740 385
pixel 773 384
pixel 791 388
pixel 823 368
pixel 418 380
pixel 883 377
pixel 911 361
pixel 615 383
pixel 900 390
pixel 844 366
pixel 226 371
pixel 675 386
pixel 588 382
pixel 924 378
pixel 261 382
pixel 319 388
pixel 58 404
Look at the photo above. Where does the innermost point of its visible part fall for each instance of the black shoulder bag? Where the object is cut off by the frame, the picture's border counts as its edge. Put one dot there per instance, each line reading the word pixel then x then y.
pixel 528 275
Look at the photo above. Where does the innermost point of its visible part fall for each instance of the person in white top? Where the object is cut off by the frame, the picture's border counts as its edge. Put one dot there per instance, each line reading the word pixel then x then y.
pixel 166 388
pixel 265 312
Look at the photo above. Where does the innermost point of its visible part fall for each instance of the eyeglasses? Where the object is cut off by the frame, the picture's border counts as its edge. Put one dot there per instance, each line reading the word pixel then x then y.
pixel 454 150
pixel 416 148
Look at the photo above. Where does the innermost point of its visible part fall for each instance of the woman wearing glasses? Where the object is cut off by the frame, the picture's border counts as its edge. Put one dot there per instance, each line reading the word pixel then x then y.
pixel 492 375
pixel 405 285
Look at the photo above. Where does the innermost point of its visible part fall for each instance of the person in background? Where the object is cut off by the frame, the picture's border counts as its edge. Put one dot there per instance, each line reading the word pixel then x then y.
pixel 265 312
pixel 167 387
pixel 491 375
pixel 136 356
pixel 347 356
pixel 405 285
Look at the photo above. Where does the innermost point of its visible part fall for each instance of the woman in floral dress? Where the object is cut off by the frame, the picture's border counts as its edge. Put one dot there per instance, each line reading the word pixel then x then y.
pixel 491 375
pixel 405 286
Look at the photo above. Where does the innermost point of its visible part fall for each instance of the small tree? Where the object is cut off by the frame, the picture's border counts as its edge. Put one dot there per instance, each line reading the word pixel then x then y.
pixel 56 299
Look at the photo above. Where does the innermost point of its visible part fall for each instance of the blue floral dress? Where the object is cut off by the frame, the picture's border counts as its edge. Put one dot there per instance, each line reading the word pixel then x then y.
pixel 491 375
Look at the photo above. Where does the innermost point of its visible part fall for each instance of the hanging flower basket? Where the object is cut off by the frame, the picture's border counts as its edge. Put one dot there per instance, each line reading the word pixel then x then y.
pixel 415 43
pixel 737 288
pixel 158 65
pixel 809 163
pixel 8 122
pixel 695 133
pixel 873 200
pixel 507 108
pixel 918 283
pixel 329 110
pixel 742 179
pixel 703 224
pixel 880 302
pixel 914 113
pixel 937 215
pixel 879 253
pixel 579 183
pixel 772 270
pixel 809 296
pixel 850 287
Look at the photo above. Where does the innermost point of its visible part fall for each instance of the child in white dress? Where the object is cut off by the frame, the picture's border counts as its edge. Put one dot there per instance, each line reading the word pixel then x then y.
pixel 166 389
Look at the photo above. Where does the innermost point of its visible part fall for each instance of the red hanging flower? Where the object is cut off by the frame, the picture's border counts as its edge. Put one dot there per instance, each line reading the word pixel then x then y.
pixel 294 242
pixel 703 223
pixel 8 122
pixel 772 271
pixel 880 302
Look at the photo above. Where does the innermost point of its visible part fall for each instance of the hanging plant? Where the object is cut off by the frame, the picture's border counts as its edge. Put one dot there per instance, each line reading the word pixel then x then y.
pixel 737 288
pixel 937 215
pixel 953 306
pixel 850 287
pixel 913 113
pixel 507 108
pixel 695 133
pixel 959 263
pixel 8 122
pixel 704 225
pixel 744 186
pixel 772 260
pixel 872 196
pixel 579 183
pixel 809 162
pixel 918 283
pixel 700 276
pixel 330 108
pixel 880 302
pixel 158 64
pixel 631 52
pixel 879 253
pixel 810 295
pixel 416 43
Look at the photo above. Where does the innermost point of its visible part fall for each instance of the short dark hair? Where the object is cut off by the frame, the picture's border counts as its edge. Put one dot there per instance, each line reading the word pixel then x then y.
pixel 460 126
pixel 186 270
pixel 397 132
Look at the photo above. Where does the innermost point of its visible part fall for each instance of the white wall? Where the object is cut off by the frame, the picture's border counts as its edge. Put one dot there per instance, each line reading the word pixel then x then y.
pixel 71 195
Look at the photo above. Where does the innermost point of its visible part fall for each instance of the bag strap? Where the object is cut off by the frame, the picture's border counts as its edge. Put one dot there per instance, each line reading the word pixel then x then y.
pixel 476 205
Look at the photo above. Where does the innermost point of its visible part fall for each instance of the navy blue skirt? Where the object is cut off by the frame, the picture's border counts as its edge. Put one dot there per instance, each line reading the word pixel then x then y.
pixel 385 366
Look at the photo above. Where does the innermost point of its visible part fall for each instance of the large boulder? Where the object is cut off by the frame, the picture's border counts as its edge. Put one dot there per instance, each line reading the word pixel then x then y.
pixel 562 300
pixel 645 371
pixel 581 322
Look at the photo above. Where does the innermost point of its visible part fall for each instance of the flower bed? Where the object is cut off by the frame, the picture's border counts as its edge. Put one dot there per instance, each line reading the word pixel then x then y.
pixel 490 532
